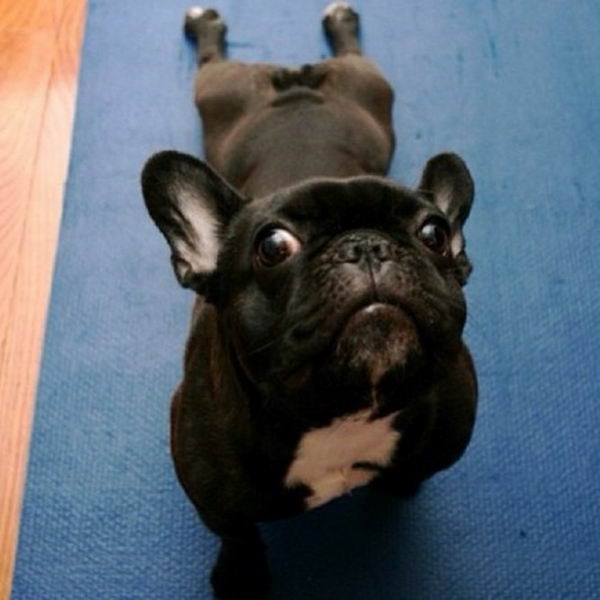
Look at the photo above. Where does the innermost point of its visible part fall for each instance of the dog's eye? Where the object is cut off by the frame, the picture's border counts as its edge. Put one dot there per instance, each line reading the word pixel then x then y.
pixel 276 245
pixel 434 233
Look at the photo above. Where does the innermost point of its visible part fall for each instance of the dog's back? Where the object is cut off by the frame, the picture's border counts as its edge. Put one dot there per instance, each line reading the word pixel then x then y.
pixel 266 127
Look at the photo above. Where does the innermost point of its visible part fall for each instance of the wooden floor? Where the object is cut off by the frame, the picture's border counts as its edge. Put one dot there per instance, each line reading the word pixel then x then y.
pixel 39 58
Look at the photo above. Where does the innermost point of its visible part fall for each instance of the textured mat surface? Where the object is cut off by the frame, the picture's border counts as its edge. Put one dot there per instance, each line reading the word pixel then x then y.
pixel 511 86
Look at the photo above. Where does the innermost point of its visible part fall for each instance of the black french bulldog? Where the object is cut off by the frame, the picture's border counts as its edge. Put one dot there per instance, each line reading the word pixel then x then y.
pixel 325 349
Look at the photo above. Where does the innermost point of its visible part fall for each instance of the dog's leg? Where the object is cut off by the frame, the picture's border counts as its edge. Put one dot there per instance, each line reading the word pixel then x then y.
pixel 224 89
pixel 341 27
pixel 356 77
pixel 241 571
pixel 206 26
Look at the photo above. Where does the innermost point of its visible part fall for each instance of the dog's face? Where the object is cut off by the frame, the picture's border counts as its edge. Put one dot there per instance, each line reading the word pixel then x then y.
pixel 348 284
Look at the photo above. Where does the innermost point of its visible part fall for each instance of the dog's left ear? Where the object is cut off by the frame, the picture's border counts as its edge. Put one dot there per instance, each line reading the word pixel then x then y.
pixel 192 205
pixel 447 183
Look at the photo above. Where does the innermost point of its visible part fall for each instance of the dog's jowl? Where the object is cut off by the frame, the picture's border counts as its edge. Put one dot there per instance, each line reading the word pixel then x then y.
pixel 325 350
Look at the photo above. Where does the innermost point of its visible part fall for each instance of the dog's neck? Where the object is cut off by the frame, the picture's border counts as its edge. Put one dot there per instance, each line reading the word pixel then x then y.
pixel 282 167
pixel 274 162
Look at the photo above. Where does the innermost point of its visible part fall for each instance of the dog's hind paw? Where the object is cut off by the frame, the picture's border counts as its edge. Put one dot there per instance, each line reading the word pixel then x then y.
pixel 194 12
pixel 338 10
pixel 198 20
pixel 341 22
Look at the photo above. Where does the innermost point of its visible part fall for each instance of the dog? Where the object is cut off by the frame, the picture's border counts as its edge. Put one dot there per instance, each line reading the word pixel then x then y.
pixel 325 350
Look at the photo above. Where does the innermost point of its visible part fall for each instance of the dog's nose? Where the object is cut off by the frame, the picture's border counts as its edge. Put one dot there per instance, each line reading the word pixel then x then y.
pixel 381 250
pixel 371 250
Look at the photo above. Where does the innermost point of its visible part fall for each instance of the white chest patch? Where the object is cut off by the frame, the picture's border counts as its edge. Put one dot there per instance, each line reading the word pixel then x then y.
pixel 325 458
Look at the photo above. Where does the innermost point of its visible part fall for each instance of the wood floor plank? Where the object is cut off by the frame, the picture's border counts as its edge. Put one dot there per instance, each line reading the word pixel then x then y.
pixel 39 56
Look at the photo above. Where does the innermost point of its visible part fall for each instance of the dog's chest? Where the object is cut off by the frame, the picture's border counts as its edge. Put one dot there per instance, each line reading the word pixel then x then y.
pixel 346 454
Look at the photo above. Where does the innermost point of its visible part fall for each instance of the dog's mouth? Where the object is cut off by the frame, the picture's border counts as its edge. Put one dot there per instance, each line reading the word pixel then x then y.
pixel 377 338
pixel 377 312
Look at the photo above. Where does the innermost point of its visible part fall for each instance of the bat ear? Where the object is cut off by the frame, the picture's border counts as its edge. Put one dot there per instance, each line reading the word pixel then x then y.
pixel 191 205
pixel 447 183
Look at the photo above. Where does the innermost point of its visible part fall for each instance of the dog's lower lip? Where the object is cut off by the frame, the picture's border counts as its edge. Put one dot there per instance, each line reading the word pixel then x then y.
pixel 374 307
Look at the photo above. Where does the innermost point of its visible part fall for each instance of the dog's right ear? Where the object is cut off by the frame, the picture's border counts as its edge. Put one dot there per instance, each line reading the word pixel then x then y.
pixel 191 205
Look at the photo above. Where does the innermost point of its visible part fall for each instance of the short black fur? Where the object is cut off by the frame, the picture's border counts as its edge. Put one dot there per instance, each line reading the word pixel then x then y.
pixel 361 316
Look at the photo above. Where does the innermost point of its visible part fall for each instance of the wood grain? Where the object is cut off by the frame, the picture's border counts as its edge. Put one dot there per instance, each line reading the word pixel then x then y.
pixel 39 56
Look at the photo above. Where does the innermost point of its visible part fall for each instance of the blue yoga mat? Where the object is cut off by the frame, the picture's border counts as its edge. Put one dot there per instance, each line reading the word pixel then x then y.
pixel 513 87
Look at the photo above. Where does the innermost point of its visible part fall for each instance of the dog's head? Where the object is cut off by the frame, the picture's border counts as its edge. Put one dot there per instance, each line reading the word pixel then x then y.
pixel 353 285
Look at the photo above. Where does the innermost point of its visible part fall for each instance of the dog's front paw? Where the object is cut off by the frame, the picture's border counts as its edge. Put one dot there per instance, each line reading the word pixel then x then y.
pixel 397 486
pixel 238 576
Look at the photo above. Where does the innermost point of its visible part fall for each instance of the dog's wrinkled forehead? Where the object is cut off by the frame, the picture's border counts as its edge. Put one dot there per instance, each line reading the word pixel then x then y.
pixel 333 206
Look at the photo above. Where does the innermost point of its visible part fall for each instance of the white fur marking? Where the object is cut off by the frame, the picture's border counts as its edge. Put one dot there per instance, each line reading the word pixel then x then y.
pixel 325 457
pixel 202 249
pixel 195 12
pixel 457 245
pixel 334 7
pixel 443 199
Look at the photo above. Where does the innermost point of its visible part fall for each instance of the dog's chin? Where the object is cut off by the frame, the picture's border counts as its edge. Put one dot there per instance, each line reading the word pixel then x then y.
pixel 376 339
